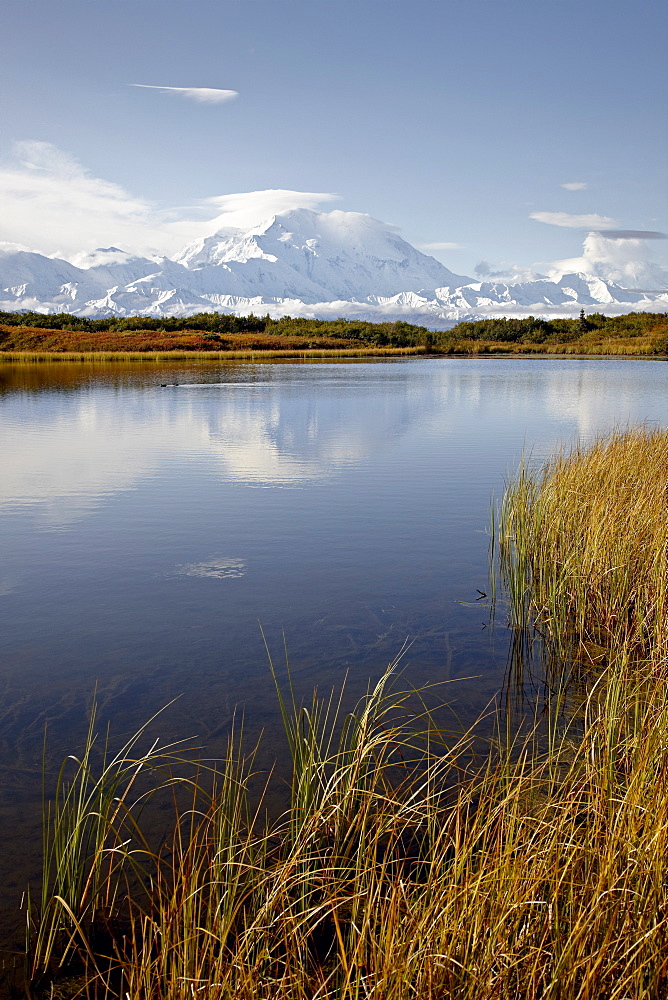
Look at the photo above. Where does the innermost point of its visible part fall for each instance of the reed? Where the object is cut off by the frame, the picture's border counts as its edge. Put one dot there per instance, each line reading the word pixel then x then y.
pixel 405 865
pixel 89 823
pixel 538 875
pixel 583 541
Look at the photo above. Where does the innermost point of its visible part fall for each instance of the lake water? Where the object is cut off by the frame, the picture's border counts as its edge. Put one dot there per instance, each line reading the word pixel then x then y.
pixel 154 518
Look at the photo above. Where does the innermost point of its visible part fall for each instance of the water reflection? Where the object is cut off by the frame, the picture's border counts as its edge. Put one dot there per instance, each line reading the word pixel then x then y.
pixel 70 453
pixel 146 531
pixel 215 568
pixel 595 401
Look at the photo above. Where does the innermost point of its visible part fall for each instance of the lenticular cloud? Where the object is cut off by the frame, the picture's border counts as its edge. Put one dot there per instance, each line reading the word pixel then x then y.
pixel 202 95
pixel 569 221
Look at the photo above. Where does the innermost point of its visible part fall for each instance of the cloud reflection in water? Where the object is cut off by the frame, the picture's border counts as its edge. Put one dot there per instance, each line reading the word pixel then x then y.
pixel 216 568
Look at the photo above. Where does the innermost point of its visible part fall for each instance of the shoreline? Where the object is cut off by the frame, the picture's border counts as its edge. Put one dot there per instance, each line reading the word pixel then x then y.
pixel 480 350
pixel 177 355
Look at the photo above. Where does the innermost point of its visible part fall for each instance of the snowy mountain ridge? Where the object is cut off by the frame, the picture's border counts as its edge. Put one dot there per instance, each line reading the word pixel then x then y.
pixel 299 263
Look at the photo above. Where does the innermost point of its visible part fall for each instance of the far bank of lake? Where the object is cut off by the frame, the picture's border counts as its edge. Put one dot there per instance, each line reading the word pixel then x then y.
pixel 221 336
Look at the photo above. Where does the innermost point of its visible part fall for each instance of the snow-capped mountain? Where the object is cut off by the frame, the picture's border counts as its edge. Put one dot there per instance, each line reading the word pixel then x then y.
pixel 299 263
pixel 316 257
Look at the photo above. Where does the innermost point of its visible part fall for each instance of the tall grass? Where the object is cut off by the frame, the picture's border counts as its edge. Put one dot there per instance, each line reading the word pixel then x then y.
pixel 88 824
pixel 405 866
pixel 584 546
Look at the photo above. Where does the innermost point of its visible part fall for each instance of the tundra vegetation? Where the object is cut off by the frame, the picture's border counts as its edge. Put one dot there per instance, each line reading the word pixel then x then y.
pixel 409 862
pixel 35 335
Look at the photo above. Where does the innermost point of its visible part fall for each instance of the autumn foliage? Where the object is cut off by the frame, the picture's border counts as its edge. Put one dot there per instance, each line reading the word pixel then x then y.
pixel 19 338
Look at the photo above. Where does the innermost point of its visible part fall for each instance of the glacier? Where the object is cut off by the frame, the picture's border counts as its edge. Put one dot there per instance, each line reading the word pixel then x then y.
pixel 301 263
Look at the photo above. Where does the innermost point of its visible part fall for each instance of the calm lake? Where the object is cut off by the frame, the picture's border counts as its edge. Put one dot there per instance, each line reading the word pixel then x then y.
pixel 154 518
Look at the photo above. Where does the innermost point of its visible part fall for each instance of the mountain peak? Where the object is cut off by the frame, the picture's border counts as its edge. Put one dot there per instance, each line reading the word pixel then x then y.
pixel 322 256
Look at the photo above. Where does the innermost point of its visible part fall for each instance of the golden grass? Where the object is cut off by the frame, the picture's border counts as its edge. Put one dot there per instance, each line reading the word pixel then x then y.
pixel 591 345
pixel 584 543
pixel 246 355
pixel 402 868
pixel 396 874
pixel 621 347
pixel 587 347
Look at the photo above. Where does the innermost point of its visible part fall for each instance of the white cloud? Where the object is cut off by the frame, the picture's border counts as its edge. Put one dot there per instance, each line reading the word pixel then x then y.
pixel 8 248
pixel 52 204
pixel 440 246
pixel 569 221
pixel 575 186
pixel 202 95
pixel 621 258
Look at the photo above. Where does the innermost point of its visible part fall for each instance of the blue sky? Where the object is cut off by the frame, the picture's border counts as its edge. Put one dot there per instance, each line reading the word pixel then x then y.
pixel 454 121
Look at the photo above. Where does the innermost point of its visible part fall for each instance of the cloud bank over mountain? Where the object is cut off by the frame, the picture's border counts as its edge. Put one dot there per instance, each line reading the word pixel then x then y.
pixel 622 256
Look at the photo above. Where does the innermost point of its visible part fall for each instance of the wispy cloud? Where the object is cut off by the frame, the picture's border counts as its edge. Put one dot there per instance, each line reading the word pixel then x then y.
pixel 575 186
pixel 440 246
pixel 52 203
pixel 507 272
pixel 486 270
pixel 568 221
pixel 202 95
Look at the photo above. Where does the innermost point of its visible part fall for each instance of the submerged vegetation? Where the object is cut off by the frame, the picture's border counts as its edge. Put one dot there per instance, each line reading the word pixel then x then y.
pixel 407 863
pixel 209 334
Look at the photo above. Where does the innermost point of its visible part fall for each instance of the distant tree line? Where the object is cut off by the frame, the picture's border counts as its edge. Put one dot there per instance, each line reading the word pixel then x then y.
pixel 532 330
pixel 216 325
pixel 212 328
